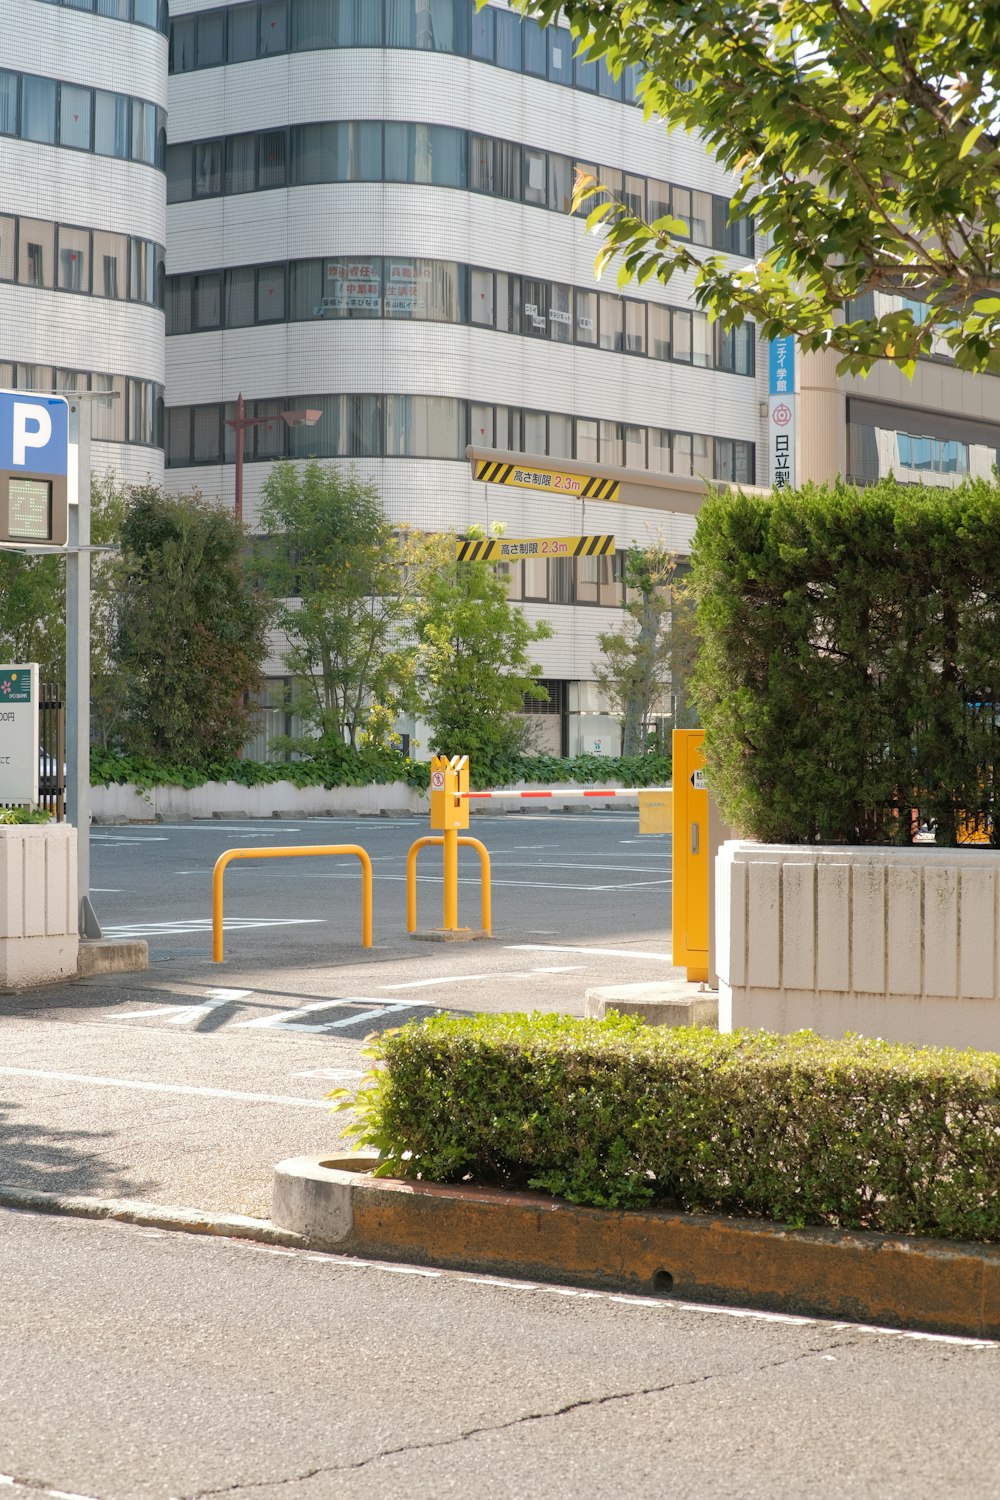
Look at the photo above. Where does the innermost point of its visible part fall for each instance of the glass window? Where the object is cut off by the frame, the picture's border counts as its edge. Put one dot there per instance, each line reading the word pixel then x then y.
pixel 514 574
pixel 70 382
pixel 182 44
pixel 269 439
pixel 142 409
pixel 610 576
pixel 272 147
pixel 561 314
pixel 612 322
pixel 241 42
pixel 508 41
pixel 534 176
pixel 38 110
pixel 631 78
pixel 482 305
pixel 178 452
pixel 425 153
pixel 33 378
pixel 9 90
pixel 635 327
pixel 560 436
pixel 273 27
pixel 701 340
pixel 241 163
pixel 359 152
pixel 178 172
pixel 110 264
pixel 634 195
pixel 76 110
pixel 701 218
pixel 144 130
pixel 206 446
pixel 658 199
pixel 680 207
pixel 353 288
pixel 584 169
pixel 207 292
pixel 36 253
pixel 733 461
pixel 208 168
pixel 734 349
pixel 612 443
pixel 240 297
pixel 508 303
pixel 659 450
pixel 211 44
pixel 313 148
pixel 535 309
pixel 271 294
pixel 608 86
pixel 484 34
pixel 74 259
pixel 586 317
pixel 307 290
pixel 146 12
pixel 482 425
pixel 115 10
pixel 8 242
pixel 314 24
pixel 534 429
pixel 424 427
pixel 659 331
pixel 681 337
pixel 536 578
pixel 560 55
pixel 635 447
pixel 586 440
pixel 586 580
pixel 108 416
pixel 585 74
pixel 423 289
pixel 560 184
pixel 111 126
pixel 178 308
pixel 142 271
pixel 535 50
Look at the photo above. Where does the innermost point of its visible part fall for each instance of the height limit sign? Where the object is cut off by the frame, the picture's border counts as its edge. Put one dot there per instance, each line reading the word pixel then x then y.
pixel 19 734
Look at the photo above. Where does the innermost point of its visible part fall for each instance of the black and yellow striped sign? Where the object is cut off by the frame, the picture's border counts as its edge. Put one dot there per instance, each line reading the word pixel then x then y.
pixel 510 549
pixel 556 481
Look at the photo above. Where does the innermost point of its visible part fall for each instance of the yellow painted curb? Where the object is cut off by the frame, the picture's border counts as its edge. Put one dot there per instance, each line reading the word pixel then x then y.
pixel 937 1286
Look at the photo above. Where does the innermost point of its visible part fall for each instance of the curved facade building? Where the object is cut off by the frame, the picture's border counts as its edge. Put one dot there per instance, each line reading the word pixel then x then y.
pixel 83 215
pixel 369 216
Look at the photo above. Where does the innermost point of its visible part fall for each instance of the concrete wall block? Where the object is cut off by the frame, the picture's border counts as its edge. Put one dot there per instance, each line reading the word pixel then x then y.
pixel 833 930
pixel 868 929
pixel 11 885
pixel 798 916
pixel 35 893
pixel 977 933
pixel 904 931
pixel 764 926
pixel 941 930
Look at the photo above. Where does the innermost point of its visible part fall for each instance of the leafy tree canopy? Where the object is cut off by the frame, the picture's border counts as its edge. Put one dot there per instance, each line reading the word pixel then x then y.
pixel 865 135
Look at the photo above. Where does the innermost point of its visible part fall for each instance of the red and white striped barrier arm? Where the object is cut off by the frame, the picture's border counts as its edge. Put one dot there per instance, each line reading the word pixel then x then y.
pixel 615 791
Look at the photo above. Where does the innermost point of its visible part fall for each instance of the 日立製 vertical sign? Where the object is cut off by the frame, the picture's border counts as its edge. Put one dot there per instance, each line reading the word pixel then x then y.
pixel 19 733
pixel 781 413
pixel 34 460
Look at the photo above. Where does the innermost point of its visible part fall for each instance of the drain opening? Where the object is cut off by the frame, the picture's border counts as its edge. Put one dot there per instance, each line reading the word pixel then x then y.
pixel 663 1282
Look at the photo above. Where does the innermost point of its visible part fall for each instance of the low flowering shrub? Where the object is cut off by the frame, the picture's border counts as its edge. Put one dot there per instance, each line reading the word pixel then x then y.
pixel 858 1133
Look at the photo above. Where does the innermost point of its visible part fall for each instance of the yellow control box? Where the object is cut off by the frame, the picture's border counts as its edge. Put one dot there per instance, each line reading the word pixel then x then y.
pixel 449 777
pixel 691 855
pixel 656 811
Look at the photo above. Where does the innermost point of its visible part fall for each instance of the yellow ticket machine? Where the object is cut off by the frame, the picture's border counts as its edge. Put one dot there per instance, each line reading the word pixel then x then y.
pixel 691 855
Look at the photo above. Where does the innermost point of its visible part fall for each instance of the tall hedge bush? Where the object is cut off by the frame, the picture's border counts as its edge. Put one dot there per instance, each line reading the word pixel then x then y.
pixel 850 659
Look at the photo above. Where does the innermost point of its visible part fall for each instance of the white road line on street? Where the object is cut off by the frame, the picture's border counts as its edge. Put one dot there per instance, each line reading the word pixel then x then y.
pixel 420 984
pixel 201 1008
pixel 147 1086
pixel 8 1479
pixel 136 1015
pixel 664 958
pixel 330 1073
pixel 181 927
pixel 103 890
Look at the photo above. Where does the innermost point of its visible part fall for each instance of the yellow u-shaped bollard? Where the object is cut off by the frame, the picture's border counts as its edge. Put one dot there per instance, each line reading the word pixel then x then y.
pixel 450 897
pixel 218 875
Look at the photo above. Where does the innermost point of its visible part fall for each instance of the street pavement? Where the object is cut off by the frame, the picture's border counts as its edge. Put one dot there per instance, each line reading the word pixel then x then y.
pixel 140 1364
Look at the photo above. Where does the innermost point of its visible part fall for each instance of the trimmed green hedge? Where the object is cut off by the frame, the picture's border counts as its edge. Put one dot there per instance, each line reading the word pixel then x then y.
pixel 856 1133
pixel 379 767
pixel 850 659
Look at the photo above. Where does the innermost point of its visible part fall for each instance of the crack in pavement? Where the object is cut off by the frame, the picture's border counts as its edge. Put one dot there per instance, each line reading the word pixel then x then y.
pixel 527 1418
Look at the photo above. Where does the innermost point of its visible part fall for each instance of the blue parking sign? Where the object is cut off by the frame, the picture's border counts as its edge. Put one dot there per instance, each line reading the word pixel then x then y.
pixel 34 433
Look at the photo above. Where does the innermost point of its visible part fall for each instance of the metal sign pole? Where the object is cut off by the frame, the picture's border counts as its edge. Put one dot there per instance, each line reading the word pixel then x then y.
pixel 78 661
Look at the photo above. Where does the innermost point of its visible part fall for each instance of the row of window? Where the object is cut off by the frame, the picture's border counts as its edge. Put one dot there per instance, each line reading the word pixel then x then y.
pixel 84 119
pixel 132 414
pixel 67 258
pixel 369 426
pixel 413 288
pixel 240 33
pixel 566 580
pixel 439 155
pixel 151 13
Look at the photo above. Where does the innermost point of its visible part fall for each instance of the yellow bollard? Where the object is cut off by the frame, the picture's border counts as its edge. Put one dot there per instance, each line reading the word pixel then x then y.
pixel 218 875
pixel 486 904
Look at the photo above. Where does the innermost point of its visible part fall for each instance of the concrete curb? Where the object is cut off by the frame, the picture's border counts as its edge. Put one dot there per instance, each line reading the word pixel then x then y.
pixel 150 1215
pixel 934 1286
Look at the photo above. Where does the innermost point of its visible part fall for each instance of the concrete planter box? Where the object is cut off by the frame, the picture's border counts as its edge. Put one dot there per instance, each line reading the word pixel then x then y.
pixel 39 918
pixel 897 943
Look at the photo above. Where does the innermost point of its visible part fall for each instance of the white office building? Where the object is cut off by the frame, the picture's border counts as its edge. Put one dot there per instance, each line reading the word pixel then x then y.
pixel 83 215
pixel 368 217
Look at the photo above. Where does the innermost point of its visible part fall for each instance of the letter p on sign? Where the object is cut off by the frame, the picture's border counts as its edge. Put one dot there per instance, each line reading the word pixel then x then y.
pixel 32 429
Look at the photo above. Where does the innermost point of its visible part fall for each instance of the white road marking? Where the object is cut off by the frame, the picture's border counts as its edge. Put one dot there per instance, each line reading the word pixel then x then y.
pixel 421 984
pixel 215 999
pixel 204 924
pixel 148 1086
pixel 284 1020
pixel 330 1073
pixel 664 958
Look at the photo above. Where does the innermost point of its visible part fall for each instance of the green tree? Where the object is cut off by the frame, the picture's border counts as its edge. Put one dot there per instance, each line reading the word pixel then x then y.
pixel 190 633
pixel 865 135
pixel 474 668
pixel 649 656
pixel 335 561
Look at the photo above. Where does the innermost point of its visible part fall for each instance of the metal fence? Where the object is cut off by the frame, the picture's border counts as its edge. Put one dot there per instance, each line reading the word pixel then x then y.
pixel 52 759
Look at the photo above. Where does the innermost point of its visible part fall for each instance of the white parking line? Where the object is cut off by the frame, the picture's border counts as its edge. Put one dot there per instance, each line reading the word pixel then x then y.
pixel 148 1086
pixel 419 984
pixel 204 924
pixel 664 958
